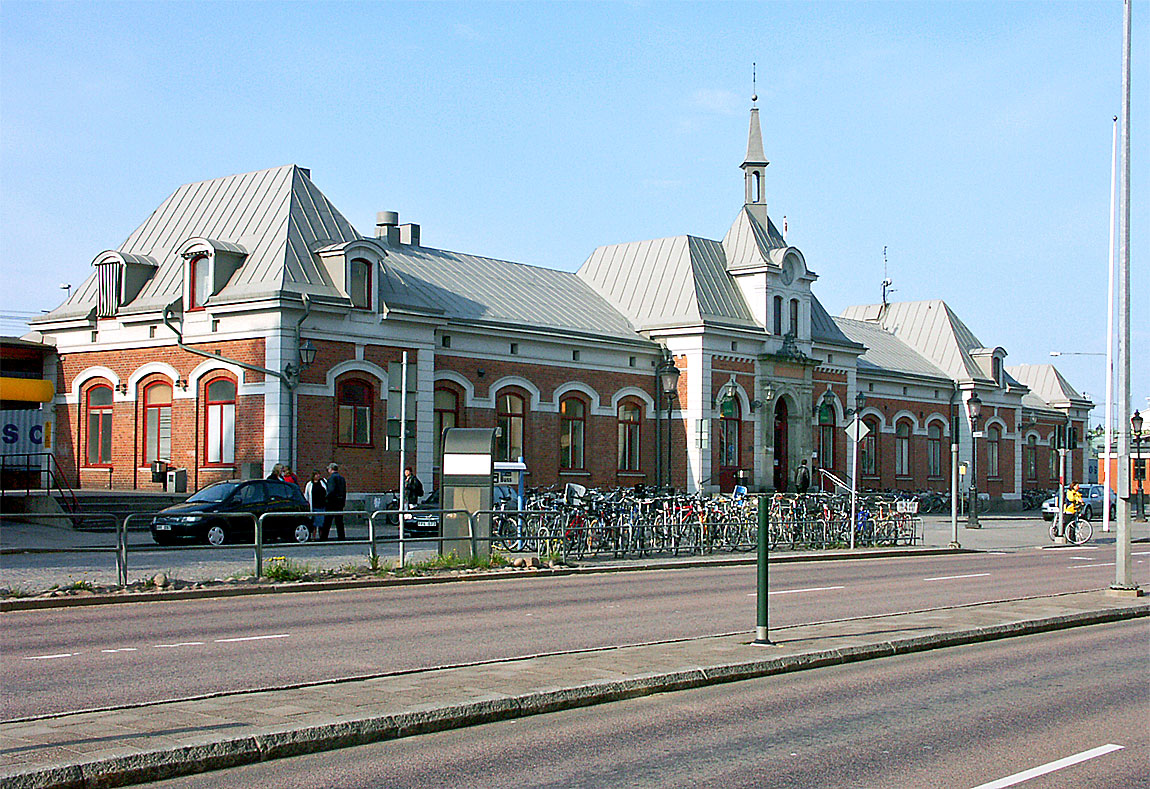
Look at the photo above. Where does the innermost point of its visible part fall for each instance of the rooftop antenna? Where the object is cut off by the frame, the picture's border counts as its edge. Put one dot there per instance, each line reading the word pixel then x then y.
pixel 886 281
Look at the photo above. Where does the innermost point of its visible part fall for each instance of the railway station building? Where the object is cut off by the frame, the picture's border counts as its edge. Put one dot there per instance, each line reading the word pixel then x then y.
pixel 247 323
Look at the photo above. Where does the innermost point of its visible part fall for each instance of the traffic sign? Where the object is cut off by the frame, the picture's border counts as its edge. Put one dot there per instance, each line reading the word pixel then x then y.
pixel 857 430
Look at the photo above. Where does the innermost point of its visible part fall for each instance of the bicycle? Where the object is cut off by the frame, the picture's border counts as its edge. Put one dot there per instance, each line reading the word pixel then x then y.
pixel 1078 530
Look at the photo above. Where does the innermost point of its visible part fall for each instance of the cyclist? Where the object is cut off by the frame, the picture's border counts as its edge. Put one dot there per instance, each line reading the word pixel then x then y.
pixel 1074 503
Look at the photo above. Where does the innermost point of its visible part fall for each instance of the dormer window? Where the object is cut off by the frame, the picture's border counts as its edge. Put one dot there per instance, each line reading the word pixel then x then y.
pixel 208 265
pixel 120 276
pixel 359 286
pixel 996 369
pixel 199 275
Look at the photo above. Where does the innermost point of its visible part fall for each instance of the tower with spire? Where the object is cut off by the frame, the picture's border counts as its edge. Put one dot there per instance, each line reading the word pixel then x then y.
pixel 754 167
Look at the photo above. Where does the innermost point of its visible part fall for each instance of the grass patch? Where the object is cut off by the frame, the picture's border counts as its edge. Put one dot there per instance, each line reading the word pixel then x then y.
pixel 452 561
pixel 281 568
pixel 15 591
pixel 79 586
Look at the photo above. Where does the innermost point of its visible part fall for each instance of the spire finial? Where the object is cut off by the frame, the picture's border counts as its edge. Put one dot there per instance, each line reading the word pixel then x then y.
pixel 754 88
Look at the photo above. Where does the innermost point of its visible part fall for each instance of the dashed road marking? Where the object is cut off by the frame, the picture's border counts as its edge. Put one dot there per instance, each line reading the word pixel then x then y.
pixel 181 644
pixel 1050 767
pixel 251 638
pixel 51 657
pixel 957 577
pixel 121 649
pixel 800 591
pixel 1096 564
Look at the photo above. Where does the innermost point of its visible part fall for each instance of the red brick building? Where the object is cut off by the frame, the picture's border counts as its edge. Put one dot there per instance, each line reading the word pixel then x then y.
pixel 191 343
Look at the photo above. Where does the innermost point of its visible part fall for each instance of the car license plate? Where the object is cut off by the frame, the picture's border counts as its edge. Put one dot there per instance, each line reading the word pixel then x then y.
pixel 163 527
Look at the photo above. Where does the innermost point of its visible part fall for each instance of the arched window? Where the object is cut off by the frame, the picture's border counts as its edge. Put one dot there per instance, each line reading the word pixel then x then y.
pixel 777 316
pixel 1032 457
pixel 827 432
pixel 993 435
pixel 868 449
pixel 200 271
pixel 510 413
pixel 902 449
pixel 157 422
pixel 756 187
pixel 572 431
pixel 795 318
pixel 354 398
pixel 630 418
pixel 934 449
pixel 996 370
pixel 220 422
pixel 446 416
pixel 730 429
pixel 99 408
pixel 359 284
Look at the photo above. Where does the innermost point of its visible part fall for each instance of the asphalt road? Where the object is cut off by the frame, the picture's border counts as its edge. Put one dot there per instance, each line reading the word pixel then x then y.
pixel 1071 705
pixel 88 658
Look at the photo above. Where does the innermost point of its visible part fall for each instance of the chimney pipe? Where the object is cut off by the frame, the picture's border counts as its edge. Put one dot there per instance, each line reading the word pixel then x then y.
pixel 387 225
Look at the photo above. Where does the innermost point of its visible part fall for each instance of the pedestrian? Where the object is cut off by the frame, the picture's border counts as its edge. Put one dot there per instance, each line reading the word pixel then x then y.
pixel 803 478
pixel 289 476
pixel 336 501
pixel 316 494
pixel 412 487
pixel 277 472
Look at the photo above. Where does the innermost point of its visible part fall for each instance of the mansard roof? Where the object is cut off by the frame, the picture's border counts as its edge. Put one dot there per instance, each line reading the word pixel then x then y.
pixel 1048 385
pixel 667 283
pixel 886 353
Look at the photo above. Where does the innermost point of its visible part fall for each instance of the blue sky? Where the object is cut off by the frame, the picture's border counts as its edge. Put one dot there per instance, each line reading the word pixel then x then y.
pixel 970 139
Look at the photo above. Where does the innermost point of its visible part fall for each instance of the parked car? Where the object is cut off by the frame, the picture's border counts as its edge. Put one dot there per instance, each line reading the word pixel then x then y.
pixel 426 524
pixel 1091 503
pixel 203 516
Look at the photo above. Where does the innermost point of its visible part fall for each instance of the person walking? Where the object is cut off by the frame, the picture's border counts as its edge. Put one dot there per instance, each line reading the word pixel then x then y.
pixel 412 488
pixel 316 494
pixel 803 478
pixel 336 501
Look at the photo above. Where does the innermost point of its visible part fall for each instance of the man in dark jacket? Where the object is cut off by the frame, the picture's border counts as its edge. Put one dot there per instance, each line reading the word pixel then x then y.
pixel 336 501
pixel 412 487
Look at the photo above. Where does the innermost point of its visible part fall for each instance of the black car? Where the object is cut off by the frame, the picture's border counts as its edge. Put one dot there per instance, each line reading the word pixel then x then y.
pixel 203 515
pixel 426 524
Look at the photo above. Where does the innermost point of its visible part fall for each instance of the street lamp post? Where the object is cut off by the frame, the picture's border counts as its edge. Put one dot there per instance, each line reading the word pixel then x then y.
pixel 856 412
pixel 669 387
pixel 974 408
pixel 1139 463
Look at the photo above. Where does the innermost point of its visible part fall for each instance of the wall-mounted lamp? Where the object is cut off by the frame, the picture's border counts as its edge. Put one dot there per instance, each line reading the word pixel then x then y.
pixel 182 383
pixel 860 401
pixel 307 353
pixel 122 388
pixel 480 372
pixel 756 404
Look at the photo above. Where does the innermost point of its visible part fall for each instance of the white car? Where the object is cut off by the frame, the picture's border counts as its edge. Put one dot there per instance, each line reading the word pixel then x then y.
pixel 1091 503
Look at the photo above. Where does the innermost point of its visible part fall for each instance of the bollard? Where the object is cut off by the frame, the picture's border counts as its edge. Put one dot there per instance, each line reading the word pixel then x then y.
pixel 761 634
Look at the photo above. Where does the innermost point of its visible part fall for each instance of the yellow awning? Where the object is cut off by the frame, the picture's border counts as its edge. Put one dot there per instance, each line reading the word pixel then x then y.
pixel 32 390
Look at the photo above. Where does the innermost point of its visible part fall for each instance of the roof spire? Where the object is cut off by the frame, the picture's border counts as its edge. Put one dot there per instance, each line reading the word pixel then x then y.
pixel 754 90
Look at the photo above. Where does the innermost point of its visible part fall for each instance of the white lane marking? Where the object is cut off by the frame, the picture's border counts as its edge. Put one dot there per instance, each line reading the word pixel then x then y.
pixel 800 591
pixel 1141 553
pixel 1074 548
pixel 1050 767
pixel 1096 564
pixel 181 644
pixel 121 649
pixel 51 657
pixel 957 577
pixel 250 638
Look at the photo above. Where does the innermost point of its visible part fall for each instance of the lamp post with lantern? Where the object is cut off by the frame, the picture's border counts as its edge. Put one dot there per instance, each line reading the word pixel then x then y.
pixel 974 409
pixel 667 386
pixel 1139 463
pixel 855 431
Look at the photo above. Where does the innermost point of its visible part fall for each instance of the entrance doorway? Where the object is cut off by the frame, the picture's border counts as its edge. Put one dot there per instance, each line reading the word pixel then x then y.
pixel 781 471
pixel 730 447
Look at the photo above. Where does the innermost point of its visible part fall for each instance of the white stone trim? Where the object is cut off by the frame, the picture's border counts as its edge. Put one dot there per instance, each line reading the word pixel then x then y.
pixel 87 374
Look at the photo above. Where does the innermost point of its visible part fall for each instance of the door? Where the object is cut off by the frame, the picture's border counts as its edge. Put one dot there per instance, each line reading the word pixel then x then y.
pixel 730 442
pixel 781 472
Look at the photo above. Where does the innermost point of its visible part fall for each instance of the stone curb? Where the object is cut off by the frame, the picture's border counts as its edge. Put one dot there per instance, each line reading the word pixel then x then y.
pixel 185 760
pixel 41 603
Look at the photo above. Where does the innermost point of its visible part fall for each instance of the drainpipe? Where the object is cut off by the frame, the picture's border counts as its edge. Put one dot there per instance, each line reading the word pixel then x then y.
pixel 289 377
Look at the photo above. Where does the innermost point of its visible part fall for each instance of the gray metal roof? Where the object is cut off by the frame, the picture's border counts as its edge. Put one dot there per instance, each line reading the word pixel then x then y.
pixel 1047 384
pixel 824 328
pixel 472 288
pixel 887 353
pixel 751 238
pixel 932 329
pixel 668 282
pixel 277 216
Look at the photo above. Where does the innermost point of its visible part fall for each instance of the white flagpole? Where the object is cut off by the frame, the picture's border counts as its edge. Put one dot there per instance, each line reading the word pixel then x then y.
pixel 1110 340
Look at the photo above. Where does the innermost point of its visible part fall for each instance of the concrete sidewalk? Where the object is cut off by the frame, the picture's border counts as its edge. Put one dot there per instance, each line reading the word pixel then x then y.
pixel 151 742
